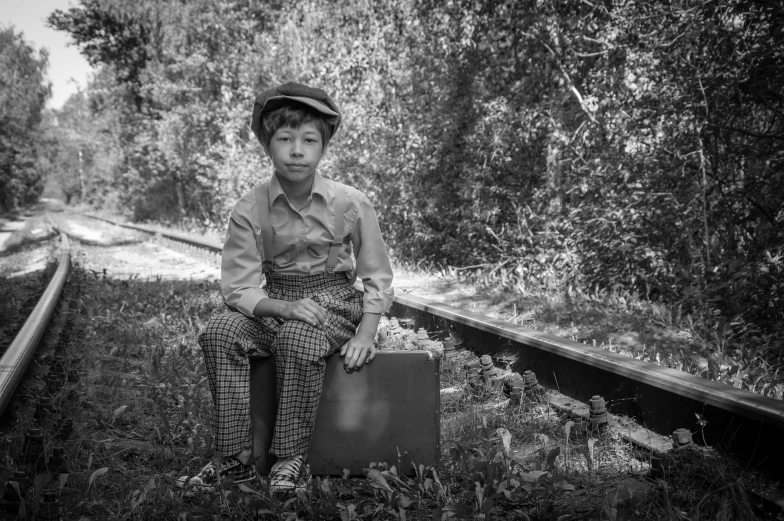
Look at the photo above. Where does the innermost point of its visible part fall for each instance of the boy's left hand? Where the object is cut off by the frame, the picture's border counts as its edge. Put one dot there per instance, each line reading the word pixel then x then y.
pixel 357 351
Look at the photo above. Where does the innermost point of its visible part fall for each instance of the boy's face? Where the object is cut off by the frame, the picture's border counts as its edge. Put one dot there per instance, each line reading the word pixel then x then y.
pixel 296 152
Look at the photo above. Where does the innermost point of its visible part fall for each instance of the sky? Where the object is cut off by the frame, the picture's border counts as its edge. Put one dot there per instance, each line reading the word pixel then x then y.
pixel 68 70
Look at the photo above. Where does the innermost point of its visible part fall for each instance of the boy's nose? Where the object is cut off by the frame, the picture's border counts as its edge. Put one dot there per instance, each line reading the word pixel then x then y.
pixel 296 150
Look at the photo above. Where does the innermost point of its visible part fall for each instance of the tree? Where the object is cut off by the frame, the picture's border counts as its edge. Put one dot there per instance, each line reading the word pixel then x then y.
pixel 629 146
pixel 23 94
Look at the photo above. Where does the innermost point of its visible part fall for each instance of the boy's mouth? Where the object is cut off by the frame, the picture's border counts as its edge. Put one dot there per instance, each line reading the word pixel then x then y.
pixel 296 165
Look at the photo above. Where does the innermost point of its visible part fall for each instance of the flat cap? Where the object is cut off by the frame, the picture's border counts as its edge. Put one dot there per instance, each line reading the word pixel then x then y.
pixel 313 97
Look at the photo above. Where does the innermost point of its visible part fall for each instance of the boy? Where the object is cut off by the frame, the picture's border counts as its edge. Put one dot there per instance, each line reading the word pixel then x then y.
pixel 297 230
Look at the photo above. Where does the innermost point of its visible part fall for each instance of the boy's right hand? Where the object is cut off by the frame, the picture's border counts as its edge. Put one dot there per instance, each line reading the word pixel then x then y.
pixel 307 310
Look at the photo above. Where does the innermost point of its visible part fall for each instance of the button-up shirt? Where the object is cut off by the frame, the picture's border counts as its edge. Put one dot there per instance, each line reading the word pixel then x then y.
pixel 302 240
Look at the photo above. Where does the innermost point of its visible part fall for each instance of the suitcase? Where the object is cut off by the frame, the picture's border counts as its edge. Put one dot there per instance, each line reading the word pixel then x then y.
pixel 390 405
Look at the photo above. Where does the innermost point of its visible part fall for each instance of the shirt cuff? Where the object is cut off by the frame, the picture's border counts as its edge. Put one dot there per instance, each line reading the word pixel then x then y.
pixel 250 297
pixel 378 301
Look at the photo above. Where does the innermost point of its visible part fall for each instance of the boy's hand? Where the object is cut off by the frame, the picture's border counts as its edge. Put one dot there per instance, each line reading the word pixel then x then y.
pixel 357 351
pixel 306 310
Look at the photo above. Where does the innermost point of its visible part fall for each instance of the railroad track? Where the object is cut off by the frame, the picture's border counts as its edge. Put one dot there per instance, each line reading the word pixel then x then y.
pixel 16 358
pixel 747 425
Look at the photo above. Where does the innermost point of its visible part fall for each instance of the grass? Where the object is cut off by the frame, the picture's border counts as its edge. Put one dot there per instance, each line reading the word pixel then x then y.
pixel 619 321
pixel 142 409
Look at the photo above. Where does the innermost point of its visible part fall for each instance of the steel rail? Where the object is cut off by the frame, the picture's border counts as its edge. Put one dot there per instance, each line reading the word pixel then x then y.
pixel 16 358
pixel 747 425
pixel 214 246
pixel 737 421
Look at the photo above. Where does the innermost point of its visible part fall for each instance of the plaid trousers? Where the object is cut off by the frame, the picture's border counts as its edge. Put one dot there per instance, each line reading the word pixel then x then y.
pixel 231 338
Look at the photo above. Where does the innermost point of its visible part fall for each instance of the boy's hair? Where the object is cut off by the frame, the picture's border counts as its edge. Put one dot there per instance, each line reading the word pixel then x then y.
pixel 294 115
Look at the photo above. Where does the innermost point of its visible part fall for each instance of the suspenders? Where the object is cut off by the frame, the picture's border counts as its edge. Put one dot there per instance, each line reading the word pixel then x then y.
pixel 265 240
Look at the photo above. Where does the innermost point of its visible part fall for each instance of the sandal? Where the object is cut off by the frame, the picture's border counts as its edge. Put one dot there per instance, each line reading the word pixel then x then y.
pixel 285 474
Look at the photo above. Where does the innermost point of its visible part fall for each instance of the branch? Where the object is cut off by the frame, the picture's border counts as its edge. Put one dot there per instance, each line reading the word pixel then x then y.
pixel 705 98
pixel 672 42
pixel 594 40
pixel 747 132
pixel 485 265
pixel 589 54
pixel 571 84
pixel 763 211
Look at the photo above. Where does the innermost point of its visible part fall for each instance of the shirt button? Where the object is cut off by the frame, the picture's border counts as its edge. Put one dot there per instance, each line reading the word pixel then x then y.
pixel 304 268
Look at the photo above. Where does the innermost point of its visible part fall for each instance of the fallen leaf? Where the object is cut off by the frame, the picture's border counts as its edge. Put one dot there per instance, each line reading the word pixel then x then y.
pixel 563 485
pixel 95 475
pixel 533 476
pixel 118 411
pixel 568 429
pixel 506 439
pixel 63 479
pixel 403 501
pixel 349 514
pixel 137 498
pixel 326 486
pixel 377 479
pixel 245 488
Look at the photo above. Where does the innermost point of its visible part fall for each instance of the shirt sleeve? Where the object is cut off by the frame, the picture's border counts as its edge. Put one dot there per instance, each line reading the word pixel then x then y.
pixel 373 266
pixel 241 275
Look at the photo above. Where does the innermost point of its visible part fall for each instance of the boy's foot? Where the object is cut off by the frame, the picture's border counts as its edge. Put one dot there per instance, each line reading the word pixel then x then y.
pixel 285 474
pixel 208 476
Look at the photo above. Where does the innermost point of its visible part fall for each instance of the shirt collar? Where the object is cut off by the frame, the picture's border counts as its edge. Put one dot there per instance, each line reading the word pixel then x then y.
pixel 319 187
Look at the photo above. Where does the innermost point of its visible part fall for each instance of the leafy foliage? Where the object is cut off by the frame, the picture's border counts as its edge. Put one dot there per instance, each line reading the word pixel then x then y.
pixel 626 146
pixel 23 93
